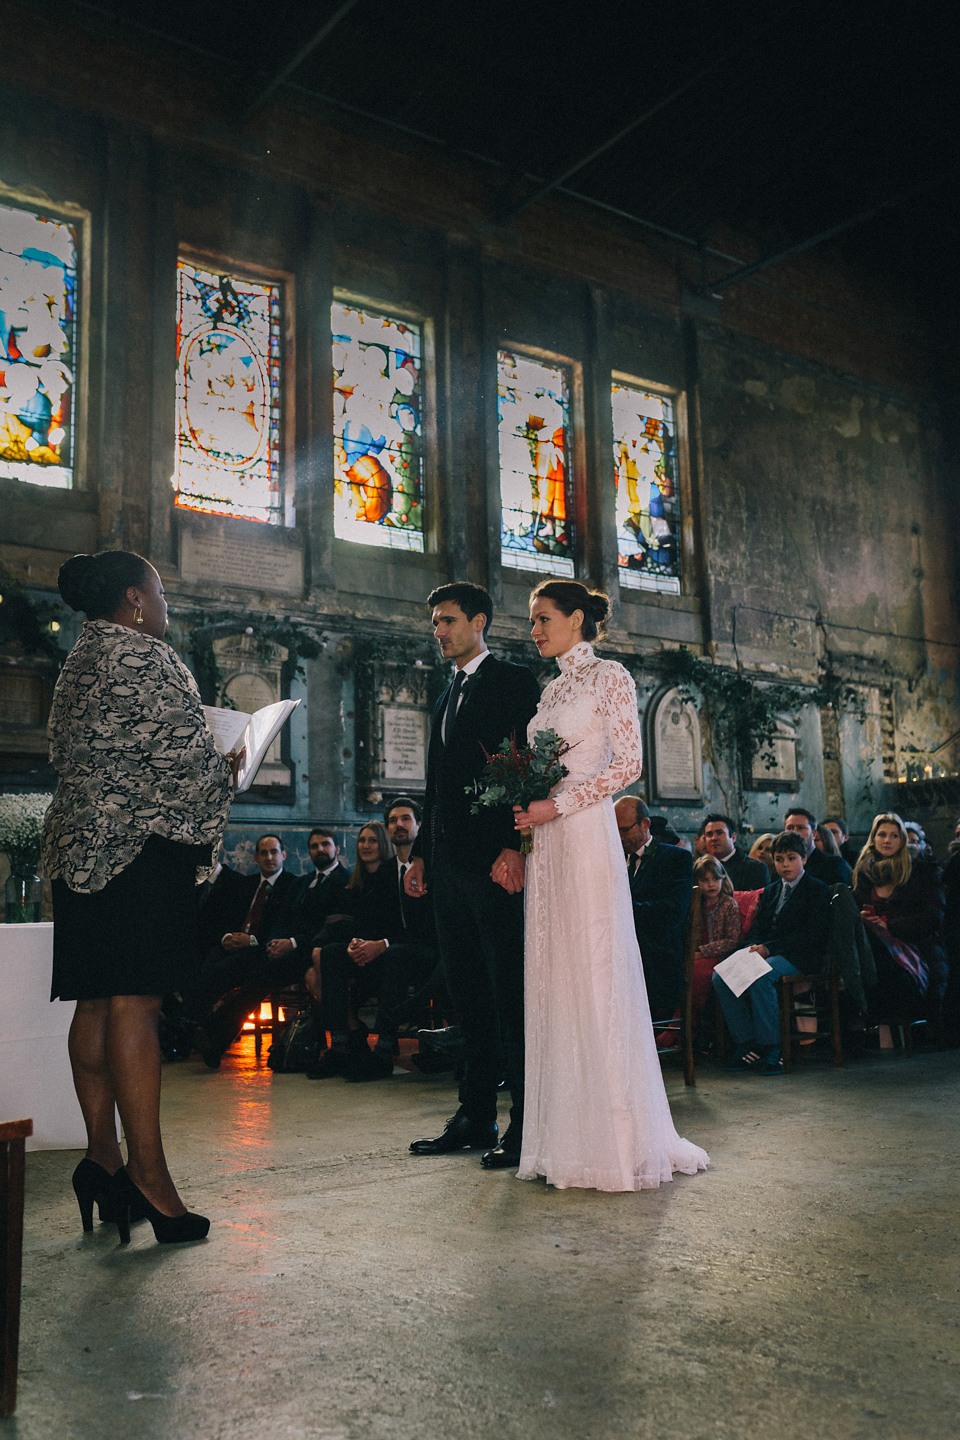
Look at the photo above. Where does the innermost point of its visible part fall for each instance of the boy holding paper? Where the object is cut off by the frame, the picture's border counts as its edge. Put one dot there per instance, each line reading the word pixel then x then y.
pixel 788 936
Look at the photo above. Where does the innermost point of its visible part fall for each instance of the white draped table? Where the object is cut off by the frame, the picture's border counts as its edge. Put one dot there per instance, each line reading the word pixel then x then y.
pixel 35 1079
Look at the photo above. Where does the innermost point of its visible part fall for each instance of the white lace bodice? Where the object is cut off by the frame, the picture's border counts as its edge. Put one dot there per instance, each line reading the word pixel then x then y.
pixel 592 704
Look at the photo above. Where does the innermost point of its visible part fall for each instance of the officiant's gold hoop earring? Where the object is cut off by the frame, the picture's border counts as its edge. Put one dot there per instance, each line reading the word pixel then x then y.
pixel 138 615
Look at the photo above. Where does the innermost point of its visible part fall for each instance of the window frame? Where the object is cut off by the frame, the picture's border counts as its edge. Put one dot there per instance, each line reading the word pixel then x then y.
pixel 430 499
pixel 686 555
pixel 80 217
pixel 578 458
pixel 221 263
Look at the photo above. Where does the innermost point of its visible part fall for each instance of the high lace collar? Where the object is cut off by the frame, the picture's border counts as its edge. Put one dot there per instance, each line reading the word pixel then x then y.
pixel 576 657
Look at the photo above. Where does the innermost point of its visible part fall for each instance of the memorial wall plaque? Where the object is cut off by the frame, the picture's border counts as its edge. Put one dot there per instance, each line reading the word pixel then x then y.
pixel 226 556
pixel 403 754
pixel 677 761
pixel 775 766
pixel 250 681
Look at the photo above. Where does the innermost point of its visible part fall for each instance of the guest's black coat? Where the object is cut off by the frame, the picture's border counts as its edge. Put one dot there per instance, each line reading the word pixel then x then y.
pixel 310 907
pixel 378 911
pixel 661 891
pixel 222 906
pixel 276 920
pixel 746 873
pixel 831 869
pixel 799 932
pixel 499 700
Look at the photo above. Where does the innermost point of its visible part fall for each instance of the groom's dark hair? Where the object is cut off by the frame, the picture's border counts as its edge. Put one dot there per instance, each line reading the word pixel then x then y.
pixel 472 599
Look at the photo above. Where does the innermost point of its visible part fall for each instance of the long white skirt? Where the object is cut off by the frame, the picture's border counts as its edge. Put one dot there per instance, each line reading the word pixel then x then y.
pixel 595 1112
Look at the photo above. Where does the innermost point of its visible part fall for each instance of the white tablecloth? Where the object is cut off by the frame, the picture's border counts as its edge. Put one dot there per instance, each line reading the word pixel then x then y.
pixel 35 1079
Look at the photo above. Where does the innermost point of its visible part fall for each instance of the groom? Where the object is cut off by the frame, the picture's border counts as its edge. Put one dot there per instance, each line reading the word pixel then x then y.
pixel 474 869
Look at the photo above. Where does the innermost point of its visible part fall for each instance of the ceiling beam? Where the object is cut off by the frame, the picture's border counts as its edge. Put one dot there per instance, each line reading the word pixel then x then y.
pixel 305 51
pixel 505 216
pixel 733 277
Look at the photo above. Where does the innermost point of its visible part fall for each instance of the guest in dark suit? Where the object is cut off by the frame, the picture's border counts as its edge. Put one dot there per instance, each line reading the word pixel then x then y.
pixel 789 931
pixel 244 971
pixel 392 948
pixel 474 869
pixel 720 841
pixel 831 869
pixel 222 901
pixel 318 897
pixel 661 887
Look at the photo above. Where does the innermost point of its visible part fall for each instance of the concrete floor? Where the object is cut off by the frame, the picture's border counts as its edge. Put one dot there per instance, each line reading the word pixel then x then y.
pixel 806 1286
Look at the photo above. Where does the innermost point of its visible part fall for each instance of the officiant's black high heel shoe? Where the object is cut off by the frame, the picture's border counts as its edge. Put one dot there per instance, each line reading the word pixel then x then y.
pixel 168 1229
pixel 92 1183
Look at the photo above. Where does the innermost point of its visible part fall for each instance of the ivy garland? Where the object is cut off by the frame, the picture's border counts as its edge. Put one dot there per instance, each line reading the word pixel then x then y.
pixel 268 632
pixel 743 713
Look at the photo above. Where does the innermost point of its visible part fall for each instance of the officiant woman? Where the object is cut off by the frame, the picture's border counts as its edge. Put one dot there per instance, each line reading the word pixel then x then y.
pixel 141 804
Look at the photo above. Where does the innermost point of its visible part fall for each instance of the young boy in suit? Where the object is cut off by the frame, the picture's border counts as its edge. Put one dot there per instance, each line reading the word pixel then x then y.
pixel 790 931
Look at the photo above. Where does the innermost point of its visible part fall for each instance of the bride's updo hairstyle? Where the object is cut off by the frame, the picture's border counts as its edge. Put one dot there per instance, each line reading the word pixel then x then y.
pixel 570 595
pixel 97 584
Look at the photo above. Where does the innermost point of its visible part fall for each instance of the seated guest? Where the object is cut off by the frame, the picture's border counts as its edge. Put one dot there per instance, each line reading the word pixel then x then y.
pixel 826 841
pixel 222 902
pixel 318 897
pixel 950 880
pixel 716 924
pixel 240 972
pixel 789 931
pixel 660 888
pixel 831 869
pixel 838 829
pixel 384 955
pixel 720 841
pixel 901 904
pixel 762 849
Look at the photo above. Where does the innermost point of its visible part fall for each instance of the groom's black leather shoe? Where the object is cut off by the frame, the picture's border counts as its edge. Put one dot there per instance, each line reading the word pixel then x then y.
pixel 460 1133
pixel 505 1155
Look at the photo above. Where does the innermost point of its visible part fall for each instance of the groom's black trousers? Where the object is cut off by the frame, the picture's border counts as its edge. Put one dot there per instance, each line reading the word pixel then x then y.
pixel 480 931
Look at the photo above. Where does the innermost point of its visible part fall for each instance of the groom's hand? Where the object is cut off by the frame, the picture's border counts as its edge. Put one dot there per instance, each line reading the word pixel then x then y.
pixel 413 881
pixel 508 870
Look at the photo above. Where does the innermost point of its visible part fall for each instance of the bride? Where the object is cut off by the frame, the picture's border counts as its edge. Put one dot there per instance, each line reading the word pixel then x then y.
pixel 596 1111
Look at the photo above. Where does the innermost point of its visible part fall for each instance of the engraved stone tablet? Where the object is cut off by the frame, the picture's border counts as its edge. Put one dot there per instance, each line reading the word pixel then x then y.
pixel 677 765
pixel 775 767
pixel 232 554
pixel 404 746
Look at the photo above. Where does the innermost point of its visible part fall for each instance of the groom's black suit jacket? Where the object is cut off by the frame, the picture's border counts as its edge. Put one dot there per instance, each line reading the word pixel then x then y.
pixel 499 700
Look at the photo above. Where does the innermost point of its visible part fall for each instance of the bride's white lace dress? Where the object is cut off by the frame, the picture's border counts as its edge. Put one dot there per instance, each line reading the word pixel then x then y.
pixel 596 1113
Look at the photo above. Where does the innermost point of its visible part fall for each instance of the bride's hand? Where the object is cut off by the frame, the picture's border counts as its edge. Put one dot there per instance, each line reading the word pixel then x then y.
pixel 538 812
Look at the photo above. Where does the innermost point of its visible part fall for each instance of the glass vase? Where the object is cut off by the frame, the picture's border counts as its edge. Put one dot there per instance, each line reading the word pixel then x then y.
pixel 23 894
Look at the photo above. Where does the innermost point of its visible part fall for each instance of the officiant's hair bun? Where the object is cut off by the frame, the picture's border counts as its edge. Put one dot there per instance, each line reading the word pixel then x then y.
pixel 97 584
pixel 570 595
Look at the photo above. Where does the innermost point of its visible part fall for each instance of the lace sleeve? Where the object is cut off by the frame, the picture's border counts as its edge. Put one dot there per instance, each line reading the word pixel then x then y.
pixel 616 701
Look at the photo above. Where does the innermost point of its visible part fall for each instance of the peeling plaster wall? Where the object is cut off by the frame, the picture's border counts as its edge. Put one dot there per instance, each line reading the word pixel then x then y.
pixel 820 521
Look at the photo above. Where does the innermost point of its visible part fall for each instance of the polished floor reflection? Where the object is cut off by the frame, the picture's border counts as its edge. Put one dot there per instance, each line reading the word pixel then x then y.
pixel 806 1286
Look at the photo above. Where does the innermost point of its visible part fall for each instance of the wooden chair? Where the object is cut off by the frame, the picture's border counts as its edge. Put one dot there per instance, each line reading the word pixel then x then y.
pixel 291 1001
pixel 13 1134
pixel 788 987
pixel 684 1044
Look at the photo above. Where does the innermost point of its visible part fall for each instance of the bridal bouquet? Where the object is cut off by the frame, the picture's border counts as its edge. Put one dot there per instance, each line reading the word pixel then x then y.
pixel 517 774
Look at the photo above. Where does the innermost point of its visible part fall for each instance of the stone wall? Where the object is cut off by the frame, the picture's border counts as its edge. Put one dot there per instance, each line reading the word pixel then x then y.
pixel 819 520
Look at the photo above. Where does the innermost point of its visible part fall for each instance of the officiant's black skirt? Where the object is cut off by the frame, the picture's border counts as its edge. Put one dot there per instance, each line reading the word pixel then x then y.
pixel 136 936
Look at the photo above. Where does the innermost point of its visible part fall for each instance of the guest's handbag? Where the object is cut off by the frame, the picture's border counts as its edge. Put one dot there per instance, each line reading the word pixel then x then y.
pixel 298 1047
pixel 903 955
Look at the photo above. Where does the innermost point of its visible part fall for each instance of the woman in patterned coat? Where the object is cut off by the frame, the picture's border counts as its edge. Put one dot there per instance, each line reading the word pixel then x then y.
pixel 141 804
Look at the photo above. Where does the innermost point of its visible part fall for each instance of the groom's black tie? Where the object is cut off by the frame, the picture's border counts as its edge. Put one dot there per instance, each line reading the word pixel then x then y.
pixel 453 700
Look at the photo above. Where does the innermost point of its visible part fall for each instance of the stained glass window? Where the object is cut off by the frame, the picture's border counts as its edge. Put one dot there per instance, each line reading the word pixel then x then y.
pixel 228 395
pixel 38 334
pixel 377 428
pixel 533 408
pixel 648 508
